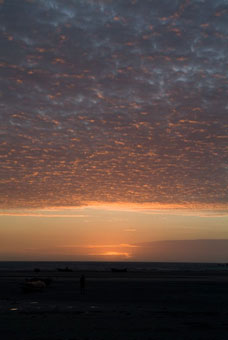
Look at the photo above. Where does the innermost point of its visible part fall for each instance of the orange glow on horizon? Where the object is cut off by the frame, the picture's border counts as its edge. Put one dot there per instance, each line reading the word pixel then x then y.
pixel 129 206
pixel 119 250
pixel 113 253
pixel 188 209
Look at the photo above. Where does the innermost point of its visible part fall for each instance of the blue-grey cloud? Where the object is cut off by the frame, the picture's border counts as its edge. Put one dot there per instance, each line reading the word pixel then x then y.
pixel 113 101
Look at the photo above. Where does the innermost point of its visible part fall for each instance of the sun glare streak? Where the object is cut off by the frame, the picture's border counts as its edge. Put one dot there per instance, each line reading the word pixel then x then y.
pixel 113 254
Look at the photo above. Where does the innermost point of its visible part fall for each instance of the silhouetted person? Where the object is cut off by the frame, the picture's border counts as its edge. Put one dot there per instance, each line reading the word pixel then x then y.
pixel 82 284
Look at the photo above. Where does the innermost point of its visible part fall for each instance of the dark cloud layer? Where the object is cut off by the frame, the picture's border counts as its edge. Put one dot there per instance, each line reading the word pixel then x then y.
pixel 185 250
pixel 113 101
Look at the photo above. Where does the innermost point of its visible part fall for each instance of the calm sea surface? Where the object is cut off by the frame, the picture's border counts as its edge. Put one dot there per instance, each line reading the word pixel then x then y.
pixel 106 266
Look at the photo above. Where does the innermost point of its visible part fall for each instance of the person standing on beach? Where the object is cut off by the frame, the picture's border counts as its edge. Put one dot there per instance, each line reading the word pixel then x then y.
pixel 82 284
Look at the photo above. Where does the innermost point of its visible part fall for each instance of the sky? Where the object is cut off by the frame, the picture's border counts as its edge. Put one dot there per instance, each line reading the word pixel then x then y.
pixel 113 129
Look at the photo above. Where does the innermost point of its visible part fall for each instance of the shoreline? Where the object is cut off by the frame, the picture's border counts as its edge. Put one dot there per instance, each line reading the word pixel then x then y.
pixel 115 306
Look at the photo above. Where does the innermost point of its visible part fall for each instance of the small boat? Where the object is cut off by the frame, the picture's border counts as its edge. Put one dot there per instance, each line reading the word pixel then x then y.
pixel 36 270
pixel 119 270
pixel 66 270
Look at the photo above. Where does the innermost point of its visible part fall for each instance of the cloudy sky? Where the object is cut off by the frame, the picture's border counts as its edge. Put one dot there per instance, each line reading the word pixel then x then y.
pixel 120 103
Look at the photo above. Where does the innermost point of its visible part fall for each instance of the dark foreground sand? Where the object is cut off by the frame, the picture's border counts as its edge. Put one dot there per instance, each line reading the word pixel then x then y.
pixel 116 306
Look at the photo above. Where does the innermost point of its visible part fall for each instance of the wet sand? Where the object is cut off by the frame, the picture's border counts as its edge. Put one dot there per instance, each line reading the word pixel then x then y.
pixel 166 305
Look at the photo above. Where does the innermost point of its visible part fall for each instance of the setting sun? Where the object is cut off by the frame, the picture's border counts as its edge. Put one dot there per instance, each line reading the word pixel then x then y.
pixel 114 253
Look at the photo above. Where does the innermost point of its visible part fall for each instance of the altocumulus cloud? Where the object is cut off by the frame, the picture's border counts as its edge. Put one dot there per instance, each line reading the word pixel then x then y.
pixel 112 101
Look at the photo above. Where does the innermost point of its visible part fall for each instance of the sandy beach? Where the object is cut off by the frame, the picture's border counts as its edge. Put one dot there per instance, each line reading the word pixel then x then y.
pixel 115 306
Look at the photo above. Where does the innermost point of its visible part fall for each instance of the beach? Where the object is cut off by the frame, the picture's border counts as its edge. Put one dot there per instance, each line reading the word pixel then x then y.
pixel 115 305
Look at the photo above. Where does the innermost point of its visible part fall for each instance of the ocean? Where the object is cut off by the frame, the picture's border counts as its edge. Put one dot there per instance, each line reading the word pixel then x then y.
pixel 106 266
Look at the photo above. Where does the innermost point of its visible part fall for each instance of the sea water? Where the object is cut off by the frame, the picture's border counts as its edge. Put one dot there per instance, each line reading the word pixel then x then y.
pixel 106 266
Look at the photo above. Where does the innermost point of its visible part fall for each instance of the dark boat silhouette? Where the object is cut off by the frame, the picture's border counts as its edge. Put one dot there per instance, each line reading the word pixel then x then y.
pixel 66 270
pixel 119 270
